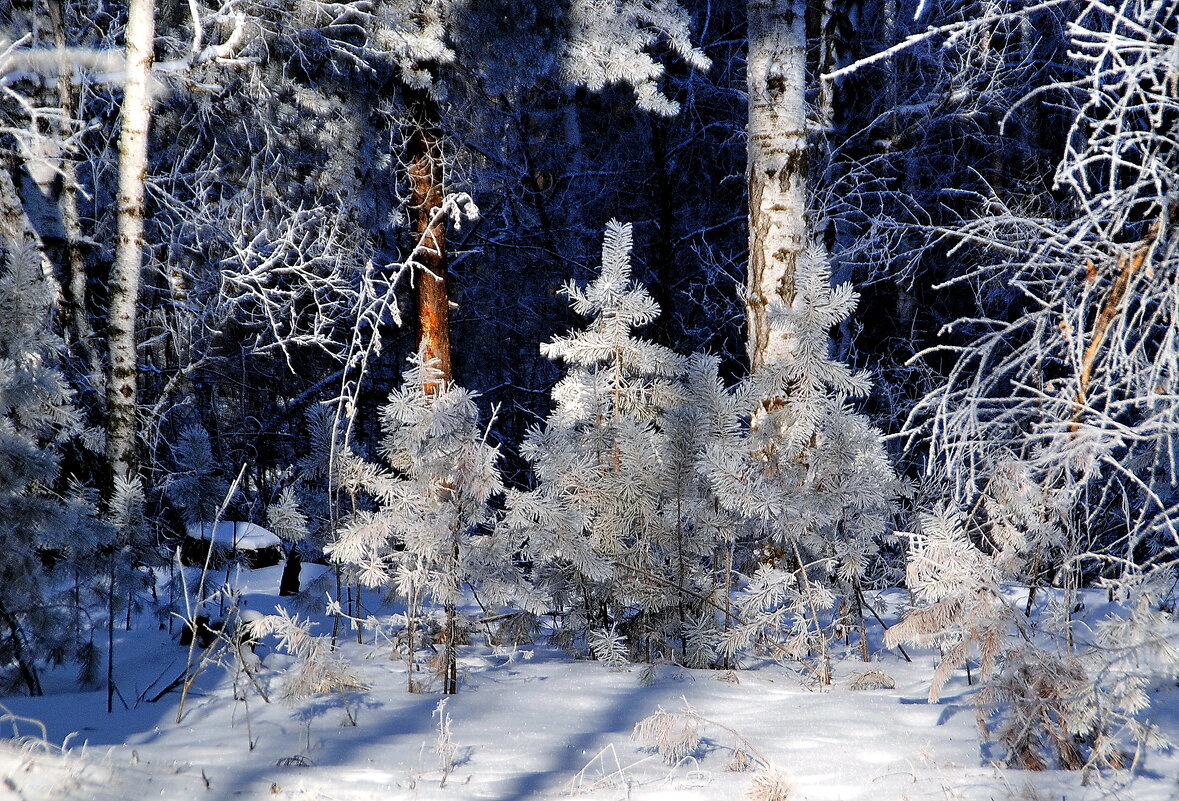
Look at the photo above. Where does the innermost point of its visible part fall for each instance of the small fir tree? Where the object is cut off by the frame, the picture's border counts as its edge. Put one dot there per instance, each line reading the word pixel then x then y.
pixel 702 533
pixel 958 600
pixel 1047 701
pixel 318 670
pixel 194 486
pixel 332 486
pixel 427 536
pixel 618 528
pixel 45 540
pixel 808 475
pixel 128 548
pixel 287 520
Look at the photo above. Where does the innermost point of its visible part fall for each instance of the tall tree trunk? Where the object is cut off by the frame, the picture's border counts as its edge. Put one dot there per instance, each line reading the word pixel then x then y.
pixel 75 323
pixel 777 164
pixel 425 176
pixel 122 391
pixel 15 225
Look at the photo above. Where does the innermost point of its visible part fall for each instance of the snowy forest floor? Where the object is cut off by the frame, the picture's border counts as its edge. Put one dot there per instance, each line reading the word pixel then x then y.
pixel 528 723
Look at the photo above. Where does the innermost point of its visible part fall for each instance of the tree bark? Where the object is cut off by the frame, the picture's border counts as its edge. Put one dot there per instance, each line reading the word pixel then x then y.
pixel 122 390
pixel 777 165
pixel 425 175
pixel 426 180
pixel 75 323
pixel 27 668
pixel 15 225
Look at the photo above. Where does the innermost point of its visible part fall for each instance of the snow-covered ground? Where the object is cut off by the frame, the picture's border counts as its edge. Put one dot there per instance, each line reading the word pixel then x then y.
pixel 526 724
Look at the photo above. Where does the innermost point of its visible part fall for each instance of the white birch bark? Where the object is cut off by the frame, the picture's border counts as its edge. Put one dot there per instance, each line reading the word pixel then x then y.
pixel 122 391
pixel 777 164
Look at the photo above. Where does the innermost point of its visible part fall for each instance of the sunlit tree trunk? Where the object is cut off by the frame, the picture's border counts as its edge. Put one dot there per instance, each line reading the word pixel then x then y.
pixel 777 165
pixel 426 179
pixel 425 175
pixel 122 392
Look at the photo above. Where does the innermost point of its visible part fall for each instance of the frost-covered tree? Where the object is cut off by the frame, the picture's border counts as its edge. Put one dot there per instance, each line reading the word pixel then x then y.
pixel 1049 701
pixel 620 530
pixel 286 519
pixel 40 532
pixel 959 603
pixel 318 668
pixel 128 549
pixel 328 485
pixel 1072 371
pixel 194 485
pixel 610 42
pixel 589 524
pixel 807 473
pixel 426 539
pixel 1054 429
pixel 701 533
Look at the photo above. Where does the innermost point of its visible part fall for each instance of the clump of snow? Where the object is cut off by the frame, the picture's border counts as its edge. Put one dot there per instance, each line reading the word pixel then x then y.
pixel 235 533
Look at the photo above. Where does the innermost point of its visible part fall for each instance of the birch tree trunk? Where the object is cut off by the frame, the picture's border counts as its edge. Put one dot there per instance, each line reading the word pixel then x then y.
pixel 777 164
pixel 121 390
pixel 425 176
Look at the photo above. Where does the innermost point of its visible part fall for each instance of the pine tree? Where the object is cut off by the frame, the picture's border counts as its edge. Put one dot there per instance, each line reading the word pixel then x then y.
pixel 329 486
pixel 194 487
pixel 959 604
pixel 40 533
pixel 425 538
pixel 590 521
pixel 620 529
pixel 808 474
pixel 319 669
pixel 287 520
pixel 608 43
pixel 127 549
pixel 700 534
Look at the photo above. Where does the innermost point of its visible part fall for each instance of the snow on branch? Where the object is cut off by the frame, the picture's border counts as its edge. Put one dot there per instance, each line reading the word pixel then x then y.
pixel 609 42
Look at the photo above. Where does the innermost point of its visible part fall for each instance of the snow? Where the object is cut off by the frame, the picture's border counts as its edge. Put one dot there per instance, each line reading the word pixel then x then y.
pixel 242 535
pixel 528 723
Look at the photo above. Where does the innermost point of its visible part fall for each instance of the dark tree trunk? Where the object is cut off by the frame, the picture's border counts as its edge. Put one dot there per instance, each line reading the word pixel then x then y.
pixel 28 671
